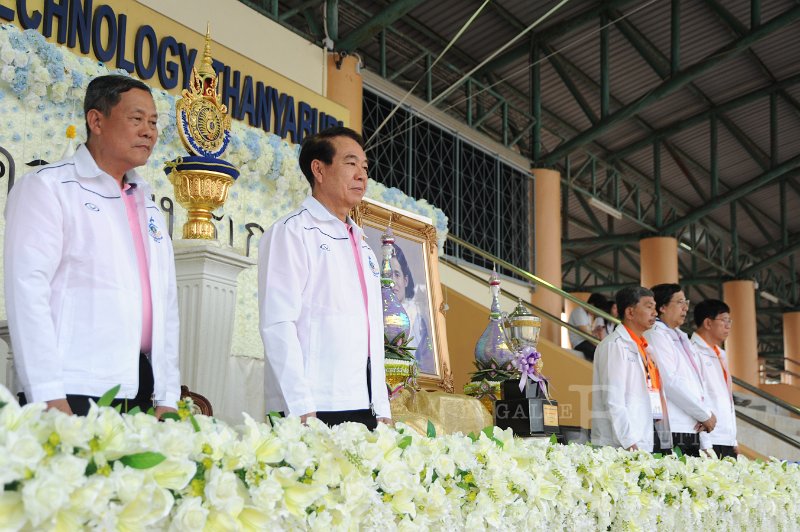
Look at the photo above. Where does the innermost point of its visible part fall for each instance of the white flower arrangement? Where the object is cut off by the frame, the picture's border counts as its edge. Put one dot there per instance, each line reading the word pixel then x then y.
pixel 112 471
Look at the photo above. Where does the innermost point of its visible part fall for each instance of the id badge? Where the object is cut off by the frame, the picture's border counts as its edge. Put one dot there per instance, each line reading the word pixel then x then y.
pixel 655 405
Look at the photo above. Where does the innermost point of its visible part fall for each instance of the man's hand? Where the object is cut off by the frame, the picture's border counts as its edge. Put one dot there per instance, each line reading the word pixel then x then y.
pixel 633 448
pixel 736 450
pixel 710 423
pixel 305 417
pixel 161 410
pixel 386 421
pixel 60 404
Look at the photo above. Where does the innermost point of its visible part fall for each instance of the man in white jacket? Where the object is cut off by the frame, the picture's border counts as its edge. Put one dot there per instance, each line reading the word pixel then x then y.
pixel 320 306
pixel 628 405
pixel 713 320
pixel 89 271
pixel 690 415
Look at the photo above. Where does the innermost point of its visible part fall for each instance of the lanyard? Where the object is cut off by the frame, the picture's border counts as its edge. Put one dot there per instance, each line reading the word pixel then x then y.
pixel 650 368
pixel 721 365
pixel 360 269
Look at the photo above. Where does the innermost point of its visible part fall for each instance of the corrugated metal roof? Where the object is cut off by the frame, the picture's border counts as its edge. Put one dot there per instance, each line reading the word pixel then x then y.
pixel 637 27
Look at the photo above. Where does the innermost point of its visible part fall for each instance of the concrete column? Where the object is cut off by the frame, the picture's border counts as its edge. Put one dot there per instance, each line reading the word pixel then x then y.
pixel 659 260
pixel 742 344
pixel 346 87
pixel 791 345
pixel 547 246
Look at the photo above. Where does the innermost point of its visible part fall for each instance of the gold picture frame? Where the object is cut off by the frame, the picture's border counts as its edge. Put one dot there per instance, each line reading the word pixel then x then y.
pixel 415 242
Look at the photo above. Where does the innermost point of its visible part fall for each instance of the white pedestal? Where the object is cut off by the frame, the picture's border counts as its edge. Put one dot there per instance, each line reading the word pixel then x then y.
pixel 206 276
pixel 7 375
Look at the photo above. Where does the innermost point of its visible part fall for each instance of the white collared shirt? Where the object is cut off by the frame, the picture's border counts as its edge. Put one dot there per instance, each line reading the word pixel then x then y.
pixel 312 316
pixel 72 288
pixel 621 410
pixel 682 379
pixel 719 397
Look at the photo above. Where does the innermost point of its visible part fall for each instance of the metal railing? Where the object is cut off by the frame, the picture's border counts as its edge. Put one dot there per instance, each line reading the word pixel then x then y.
pixel 769 430
pixel 765 395
pixel 542 313
pixel 538 281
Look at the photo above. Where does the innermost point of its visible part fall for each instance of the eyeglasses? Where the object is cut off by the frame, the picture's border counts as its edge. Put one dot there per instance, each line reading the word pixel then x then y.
pixel 682 302
pixel 726 321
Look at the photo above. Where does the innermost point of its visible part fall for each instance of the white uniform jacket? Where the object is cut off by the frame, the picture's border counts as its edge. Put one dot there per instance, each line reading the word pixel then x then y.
pixel 718 394
pixel 621 412
pixel 683 387
pixel 312 316
pixel 72 288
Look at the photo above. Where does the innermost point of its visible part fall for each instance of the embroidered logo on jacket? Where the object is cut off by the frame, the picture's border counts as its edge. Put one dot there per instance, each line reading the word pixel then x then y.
pixel 154 232
pixel 374 268
pixel 92 207
pixel 324 247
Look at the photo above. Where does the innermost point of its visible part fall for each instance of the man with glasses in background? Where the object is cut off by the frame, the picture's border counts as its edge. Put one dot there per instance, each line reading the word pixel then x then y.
pixel 690 415
pixel 713 320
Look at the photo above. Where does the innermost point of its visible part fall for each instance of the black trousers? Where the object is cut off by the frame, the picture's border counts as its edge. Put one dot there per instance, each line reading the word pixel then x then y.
pixel 144 397
pixel 724 451
pixel 587 348
pixel 343 416
pixel 687 442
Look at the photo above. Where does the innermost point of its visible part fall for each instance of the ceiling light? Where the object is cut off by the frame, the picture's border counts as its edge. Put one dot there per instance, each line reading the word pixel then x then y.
pixel 605 207
pixel 769 297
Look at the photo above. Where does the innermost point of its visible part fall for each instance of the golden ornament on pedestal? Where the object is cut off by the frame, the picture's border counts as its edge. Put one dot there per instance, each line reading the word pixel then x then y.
pixel 202 179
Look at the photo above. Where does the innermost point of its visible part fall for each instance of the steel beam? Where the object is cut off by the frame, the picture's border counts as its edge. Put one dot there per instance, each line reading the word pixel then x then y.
pixel 675 83
pixel 515 53
pixel 687 123
pixel 792 248
pixel 605 240
pixel 332 14
pixel 386 17
pixel 734 194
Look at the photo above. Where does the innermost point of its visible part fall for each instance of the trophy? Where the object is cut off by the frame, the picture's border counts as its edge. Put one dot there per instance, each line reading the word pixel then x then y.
pixel 526 406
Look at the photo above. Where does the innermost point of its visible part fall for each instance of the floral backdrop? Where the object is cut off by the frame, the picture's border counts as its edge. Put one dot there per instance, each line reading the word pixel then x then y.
pixel 41 93
pixel 129 472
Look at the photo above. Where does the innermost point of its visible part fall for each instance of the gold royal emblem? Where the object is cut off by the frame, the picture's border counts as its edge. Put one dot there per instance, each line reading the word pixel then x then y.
pixel 203 122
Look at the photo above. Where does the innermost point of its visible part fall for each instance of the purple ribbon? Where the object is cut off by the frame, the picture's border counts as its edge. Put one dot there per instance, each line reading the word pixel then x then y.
pixel 526 361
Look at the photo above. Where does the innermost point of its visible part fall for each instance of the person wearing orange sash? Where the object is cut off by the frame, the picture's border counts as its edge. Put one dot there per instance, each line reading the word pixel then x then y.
pixel 691 416
pixel 628 405
pixel 713 320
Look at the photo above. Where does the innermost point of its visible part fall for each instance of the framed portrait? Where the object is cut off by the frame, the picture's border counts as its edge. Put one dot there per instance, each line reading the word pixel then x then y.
pixel 415 269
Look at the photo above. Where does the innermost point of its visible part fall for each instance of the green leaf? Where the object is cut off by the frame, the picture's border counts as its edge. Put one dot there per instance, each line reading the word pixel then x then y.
pixel 118 408
pixel 404 442
pixel 134 410
pixel 109 396
pixel 553 439
pixel 91 468
pixel 195 424
pixel 144 460
pixel 472 436
pixel 677 451
pixel 273 416
pixel 2 404
pixel 658 455
pixel 171 415
pixel 431 429
pixel 151 411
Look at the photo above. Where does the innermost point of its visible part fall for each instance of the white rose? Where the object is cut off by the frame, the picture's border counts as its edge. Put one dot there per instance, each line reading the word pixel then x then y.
pixel 189 514
pixel 394 476
pixel 7 73
pixel 127 481
pixel 7 55
pixel 12 511
pixel 225 492
pixel 25 451
pixel 43 497
pixel 70 470
pixel 298 455
pixel 267 494
pixel 21 58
